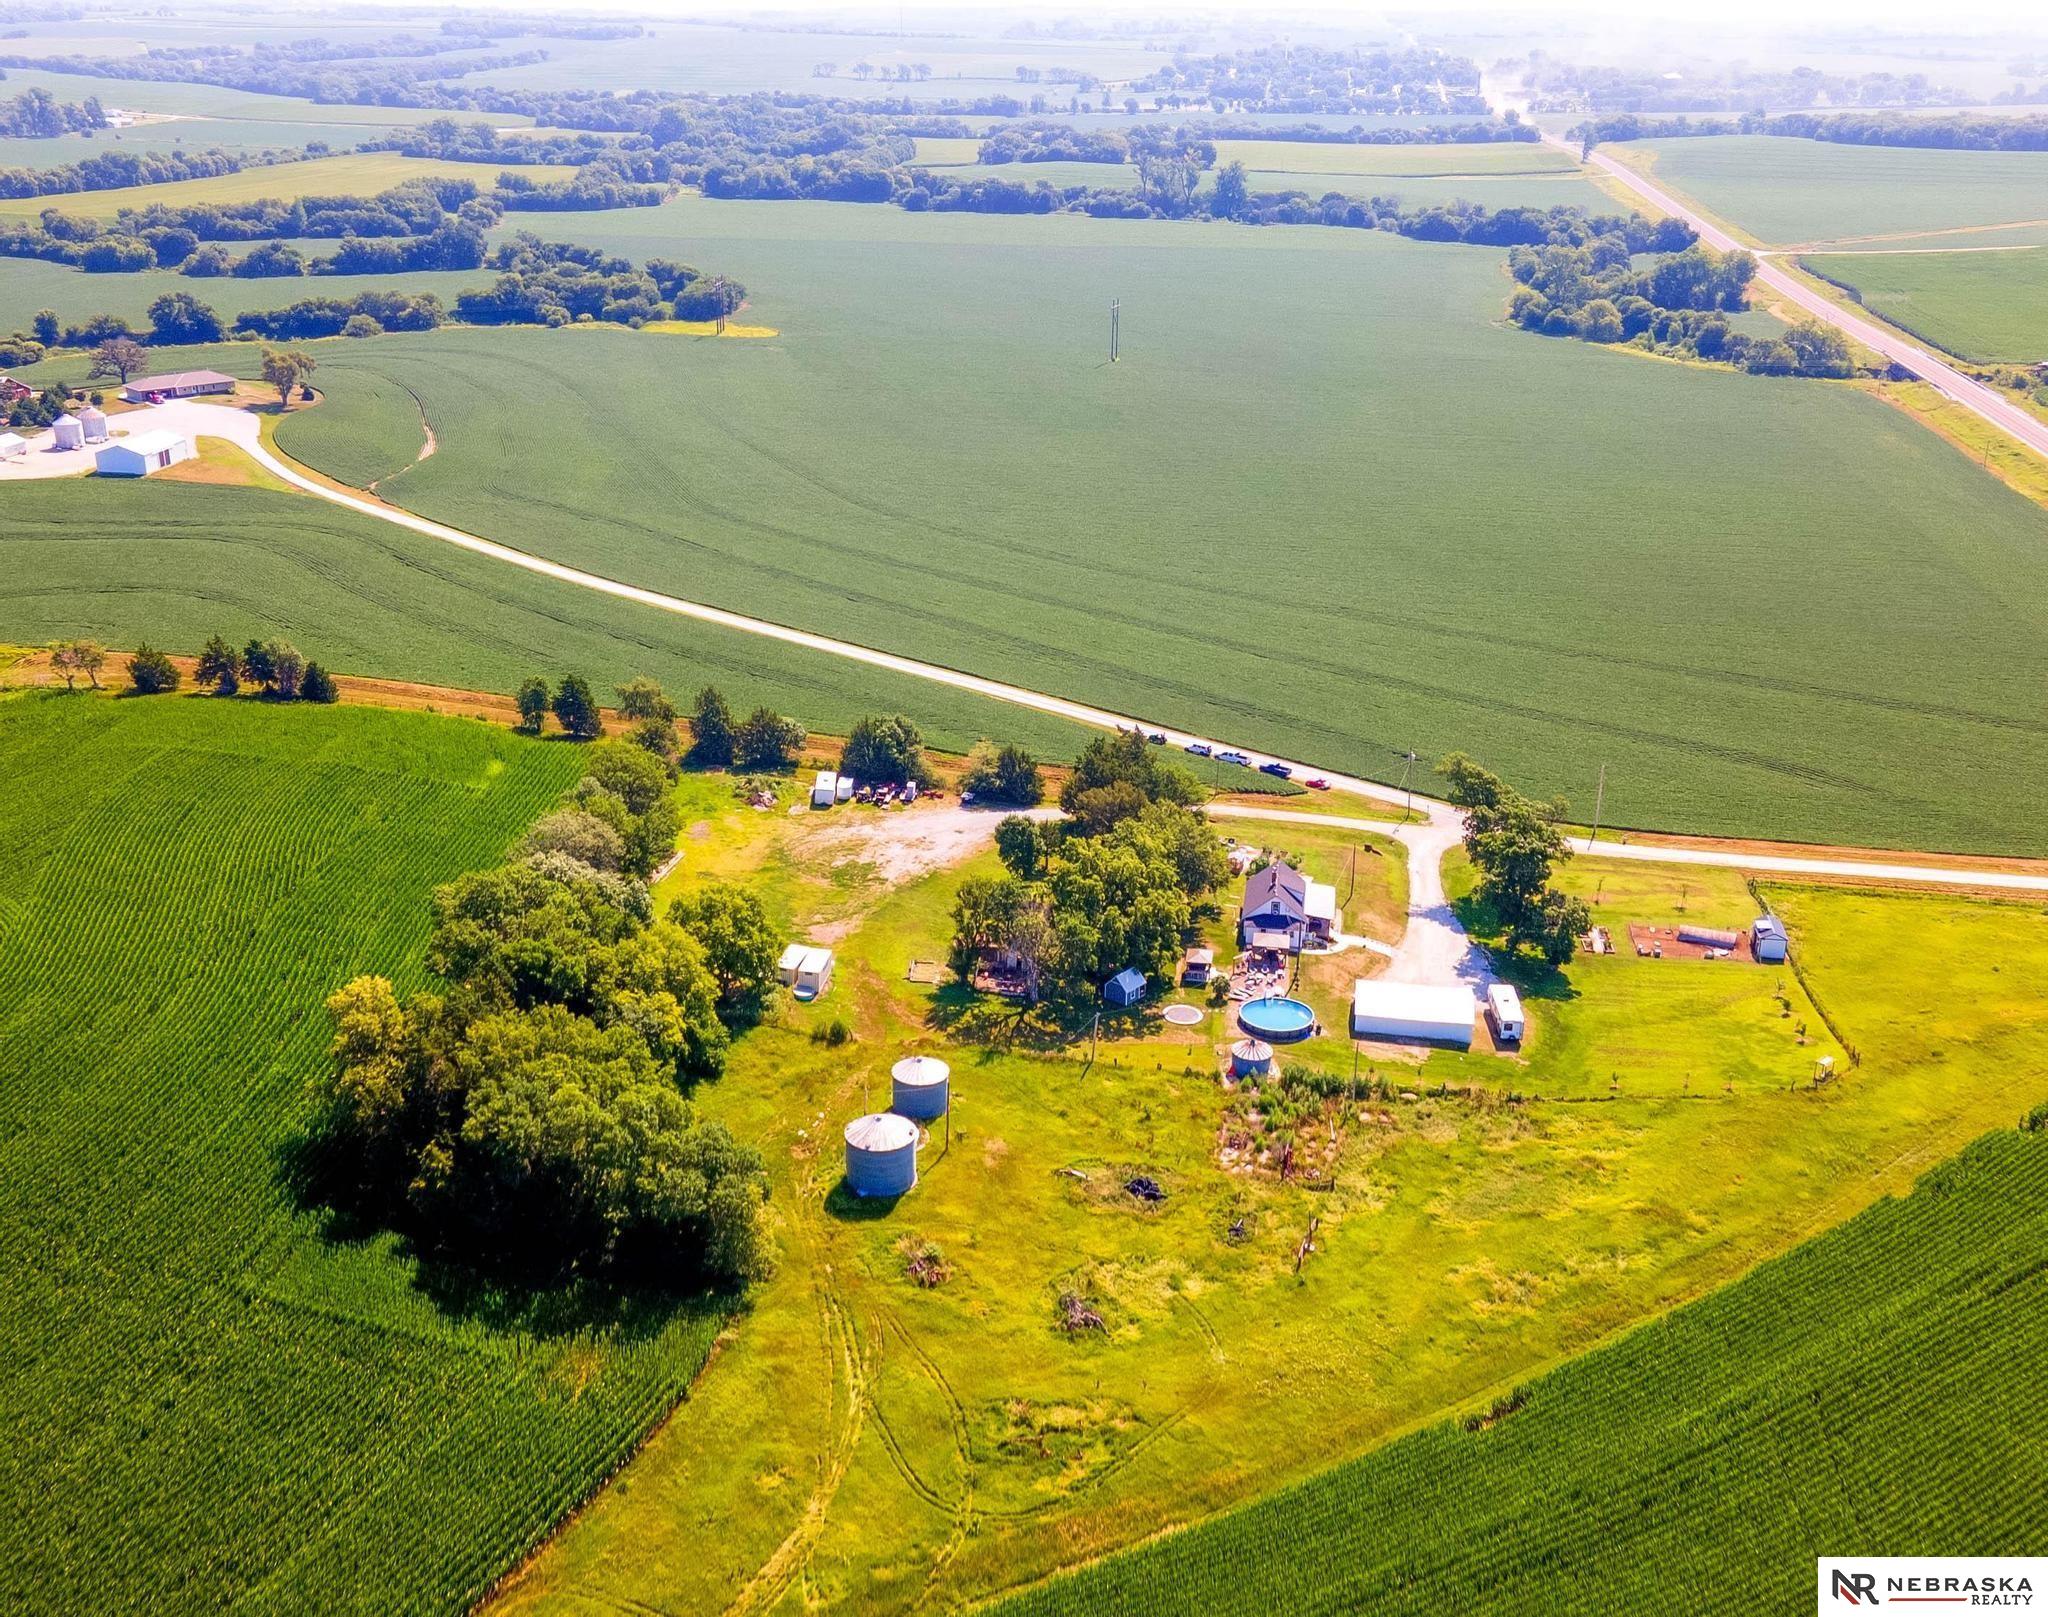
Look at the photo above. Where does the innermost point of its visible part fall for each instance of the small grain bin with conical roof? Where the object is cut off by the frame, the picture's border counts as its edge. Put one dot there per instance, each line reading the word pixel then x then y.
pixel 1251 1058
pixel 881 1155
pixel 93 423
pixel 66 432
pixel 920 1086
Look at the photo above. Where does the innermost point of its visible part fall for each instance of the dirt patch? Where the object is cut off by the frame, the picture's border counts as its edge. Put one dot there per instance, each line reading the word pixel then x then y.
pixel 1664 942
pixel 899 845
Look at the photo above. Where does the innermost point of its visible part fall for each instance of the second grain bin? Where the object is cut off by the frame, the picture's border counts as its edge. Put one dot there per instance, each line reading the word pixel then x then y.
pixel 920 1086
pixel 881 1155
pixel 1251 1058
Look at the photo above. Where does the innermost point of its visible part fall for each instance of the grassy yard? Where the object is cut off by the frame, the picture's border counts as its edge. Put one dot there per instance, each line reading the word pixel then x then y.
pixel 1987 306
pixel 1784 191
pixel 1466 1242
pixel 355 174
pixel 1380 428
pixel 210 1398
pixel 1699 1453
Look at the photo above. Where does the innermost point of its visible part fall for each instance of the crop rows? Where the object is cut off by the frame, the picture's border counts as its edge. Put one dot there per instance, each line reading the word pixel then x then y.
pixel 1875 1391
pixel 203 1401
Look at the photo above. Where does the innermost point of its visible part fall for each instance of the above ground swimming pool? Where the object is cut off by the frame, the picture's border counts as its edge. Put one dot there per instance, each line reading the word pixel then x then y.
pixel 1276 1019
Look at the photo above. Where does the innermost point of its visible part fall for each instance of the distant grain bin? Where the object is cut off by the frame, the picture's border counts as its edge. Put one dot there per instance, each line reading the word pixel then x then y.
pixel 920 1087
pixel 94 425
pixel 1251 1058
pixel 66 432
pixel 881 1155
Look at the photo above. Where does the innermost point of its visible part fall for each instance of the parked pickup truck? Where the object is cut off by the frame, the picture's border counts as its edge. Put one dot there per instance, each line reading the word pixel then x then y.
pixel 1199 748
pixel 1316 783
pixel 1276 769
pixel 1232 758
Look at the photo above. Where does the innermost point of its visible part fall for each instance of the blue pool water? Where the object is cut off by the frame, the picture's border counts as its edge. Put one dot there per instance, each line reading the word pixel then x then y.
pixel 1276 1019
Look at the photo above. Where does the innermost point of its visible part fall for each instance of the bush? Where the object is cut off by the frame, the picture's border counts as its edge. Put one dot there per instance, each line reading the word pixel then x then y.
pixel 1009 776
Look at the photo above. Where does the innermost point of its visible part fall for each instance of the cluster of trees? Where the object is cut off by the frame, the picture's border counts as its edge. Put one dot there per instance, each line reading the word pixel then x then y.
pixel 600 182
pixel 25 409
pixel 886 750
pixel 396 72
pixel 554 283
pixel 1121 883
pixel 1960 131
pixel 367 314
pixel 1593 290
pixel 1514 844
pixel 38 115
pixel 529 1118
pixel 273 668
pixel 1005 775
pixel 1313 78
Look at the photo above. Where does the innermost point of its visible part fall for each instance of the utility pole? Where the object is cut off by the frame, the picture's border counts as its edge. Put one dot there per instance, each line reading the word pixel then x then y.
pixel 1407 769
pixel 1599 802
pixel 1116 309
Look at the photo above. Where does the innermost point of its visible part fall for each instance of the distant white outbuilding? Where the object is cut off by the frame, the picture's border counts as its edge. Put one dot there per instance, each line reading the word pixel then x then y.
pixel 1407 1012
pixel 12 446
pixel 142 453
pixel 825 789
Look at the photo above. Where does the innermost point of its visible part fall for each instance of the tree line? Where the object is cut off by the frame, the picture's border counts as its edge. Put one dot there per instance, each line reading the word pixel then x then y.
pixel 1958 131
pixel 36 114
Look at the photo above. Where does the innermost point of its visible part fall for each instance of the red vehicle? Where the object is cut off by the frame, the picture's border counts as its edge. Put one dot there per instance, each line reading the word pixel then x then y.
pixel 1319 784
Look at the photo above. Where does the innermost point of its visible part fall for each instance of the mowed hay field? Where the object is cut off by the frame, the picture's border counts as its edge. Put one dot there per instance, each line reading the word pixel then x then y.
pixel 1870 1387
pixel 352 174
pixel 1785 191
pixel 1328 503
pixel 1984 305
pixel 174 563
pixel 206 1400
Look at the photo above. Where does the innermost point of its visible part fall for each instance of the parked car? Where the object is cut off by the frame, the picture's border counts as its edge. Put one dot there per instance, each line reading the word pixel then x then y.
pixel 1199 748
pixel 1156 738
pixel 1232 758
pixel 1276 769
pixel 1316 783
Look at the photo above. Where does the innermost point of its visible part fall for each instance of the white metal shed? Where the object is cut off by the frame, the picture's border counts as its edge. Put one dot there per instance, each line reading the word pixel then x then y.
pixel 1405 1012
pixel 142 454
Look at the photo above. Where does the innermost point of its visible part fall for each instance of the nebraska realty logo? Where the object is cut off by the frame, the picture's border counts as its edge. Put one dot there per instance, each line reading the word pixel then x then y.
pixel 2004 1582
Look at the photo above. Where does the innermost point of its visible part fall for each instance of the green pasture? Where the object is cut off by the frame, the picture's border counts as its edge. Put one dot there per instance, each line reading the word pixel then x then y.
pixel 1784 191
pixel 1467 1240
pixel 1386 554
pixel 171 564
pixel 1987 306
pixel 212 1399
pixel 1863 1388
pixel 352 174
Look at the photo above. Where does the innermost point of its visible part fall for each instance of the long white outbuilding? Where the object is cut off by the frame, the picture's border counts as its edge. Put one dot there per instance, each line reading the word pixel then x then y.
pixel 1402 1012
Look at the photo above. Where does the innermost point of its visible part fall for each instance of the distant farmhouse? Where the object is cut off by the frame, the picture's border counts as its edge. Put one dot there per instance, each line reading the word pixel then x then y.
pixel 1283 910
pixel 177 385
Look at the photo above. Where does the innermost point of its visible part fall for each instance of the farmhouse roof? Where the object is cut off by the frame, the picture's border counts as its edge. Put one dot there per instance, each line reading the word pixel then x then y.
pixel 1278 886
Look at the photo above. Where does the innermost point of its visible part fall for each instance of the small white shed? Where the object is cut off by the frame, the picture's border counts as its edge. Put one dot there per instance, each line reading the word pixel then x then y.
pixel 1504 1011
pixel 806 969
pixel 1406 1012
pixel 825 789
pixel 842 789
pixel 142 454
pixel 12 446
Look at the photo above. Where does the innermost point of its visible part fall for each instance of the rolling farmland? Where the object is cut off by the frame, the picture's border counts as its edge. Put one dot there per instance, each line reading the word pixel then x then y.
pixel 28 285
pixel 1785 191
pixel 1749 645
pixel 1872 1388
pixel 175 563
pixel 208 1400
pixel 1309 157
pixel 1987 306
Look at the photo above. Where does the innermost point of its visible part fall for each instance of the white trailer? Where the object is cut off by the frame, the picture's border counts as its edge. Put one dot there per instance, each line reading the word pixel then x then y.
pixel 1504 1011
pixel 825 789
